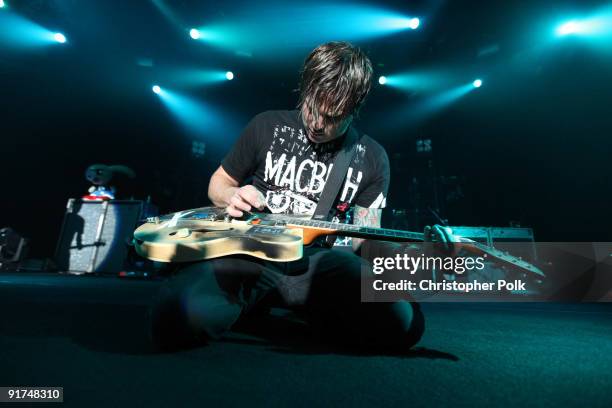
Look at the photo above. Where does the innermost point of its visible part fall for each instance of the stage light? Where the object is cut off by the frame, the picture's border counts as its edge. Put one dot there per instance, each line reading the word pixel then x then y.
pixel 59 37
pixel 2 4
pixel 19 32
pixel 596 25
pixel 571 27
pixel 477 83
pixel 192 77
pixel 423 80
pixel 195 34
pixel 319 21
pixel 210 124
pixel 156 89
pixel 423 109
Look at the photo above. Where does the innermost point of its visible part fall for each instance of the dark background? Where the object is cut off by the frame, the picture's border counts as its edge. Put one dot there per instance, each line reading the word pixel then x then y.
pixel 531 146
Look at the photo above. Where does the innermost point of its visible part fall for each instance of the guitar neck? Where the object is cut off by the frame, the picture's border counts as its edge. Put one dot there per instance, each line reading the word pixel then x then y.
pixel 357 231
pixel 330 228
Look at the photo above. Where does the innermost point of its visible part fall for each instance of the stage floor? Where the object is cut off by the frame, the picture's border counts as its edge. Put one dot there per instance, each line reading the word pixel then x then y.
pixel 92 340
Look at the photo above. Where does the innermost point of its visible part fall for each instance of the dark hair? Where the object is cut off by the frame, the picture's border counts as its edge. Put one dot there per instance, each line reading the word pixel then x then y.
pixel 338 75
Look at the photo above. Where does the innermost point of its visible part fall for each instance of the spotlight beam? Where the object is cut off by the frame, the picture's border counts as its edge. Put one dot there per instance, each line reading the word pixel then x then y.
pixel 418 81
pixel 596 25
pixel 196 116
pixel 427 107
pixel 319 22
pixel 189 77
pixel 59 37
pixel 195 34
pixel 20 32
pixel 571 27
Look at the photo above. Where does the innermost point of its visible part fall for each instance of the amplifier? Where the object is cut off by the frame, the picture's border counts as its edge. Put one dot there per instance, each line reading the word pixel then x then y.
pixel 96 235
pixel 13 249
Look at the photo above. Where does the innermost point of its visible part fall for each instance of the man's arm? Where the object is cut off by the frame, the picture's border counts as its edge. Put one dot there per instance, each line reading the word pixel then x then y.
pixel 224 192
pixel 366 217
pixel 221 188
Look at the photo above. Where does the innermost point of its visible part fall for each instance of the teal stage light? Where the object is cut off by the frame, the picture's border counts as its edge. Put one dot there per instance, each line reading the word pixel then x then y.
pixel 156 89
pixel 255 29
pixel 382 79
pixel 194 77
pixel 19 32
pixel 438 102
pixel 423 80
pixel 195 34
pixel 198 117
pixel 571 27
pixel 423 109
pixel 596 25
pixel 59 37
pixel 2 4
pixel 477 83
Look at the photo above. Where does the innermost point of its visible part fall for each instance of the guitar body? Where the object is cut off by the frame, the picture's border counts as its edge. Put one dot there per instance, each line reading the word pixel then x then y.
pixel 196 236
pixel 206 233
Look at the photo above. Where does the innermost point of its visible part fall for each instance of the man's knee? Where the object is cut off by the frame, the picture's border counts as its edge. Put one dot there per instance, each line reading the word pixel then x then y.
pixel 396 326
pixel 410 324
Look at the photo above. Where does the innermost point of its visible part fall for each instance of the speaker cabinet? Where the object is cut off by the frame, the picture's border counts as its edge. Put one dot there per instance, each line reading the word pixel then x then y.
pixel 96 235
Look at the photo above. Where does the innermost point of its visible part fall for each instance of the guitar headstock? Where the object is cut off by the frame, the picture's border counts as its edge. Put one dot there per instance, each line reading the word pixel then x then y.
pixel 499 255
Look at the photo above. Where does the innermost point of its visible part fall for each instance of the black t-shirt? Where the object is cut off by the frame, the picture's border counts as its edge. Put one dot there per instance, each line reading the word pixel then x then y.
pixel 291 171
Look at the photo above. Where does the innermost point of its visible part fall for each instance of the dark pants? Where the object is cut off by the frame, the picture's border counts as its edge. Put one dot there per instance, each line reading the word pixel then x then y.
pixel 205 299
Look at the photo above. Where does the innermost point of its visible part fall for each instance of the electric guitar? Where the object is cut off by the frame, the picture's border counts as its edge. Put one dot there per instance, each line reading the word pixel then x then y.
pixel 209 232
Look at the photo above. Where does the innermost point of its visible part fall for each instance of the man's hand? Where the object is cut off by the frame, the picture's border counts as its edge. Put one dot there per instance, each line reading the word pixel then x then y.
pixel 367 217
pixel 443 239
pixel 243 199
pixel 224 192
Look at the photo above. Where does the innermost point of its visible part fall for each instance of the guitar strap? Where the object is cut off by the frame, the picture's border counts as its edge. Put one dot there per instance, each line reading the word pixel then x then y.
pixel 338 173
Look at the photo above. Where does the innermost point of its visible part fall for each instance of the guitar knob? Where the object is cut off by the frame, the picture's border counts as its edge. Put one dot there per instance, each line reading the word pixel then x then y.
pixel 153 220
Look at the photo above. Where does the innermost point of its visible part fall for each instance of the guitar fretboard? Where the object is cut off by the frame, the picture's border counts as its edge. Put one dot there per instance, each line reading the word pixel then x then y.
pixel 406 236
pixel 359 231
